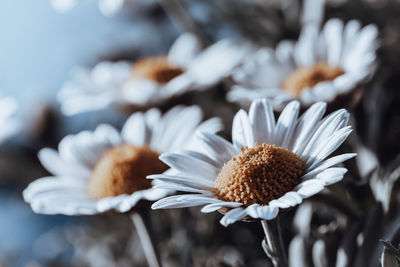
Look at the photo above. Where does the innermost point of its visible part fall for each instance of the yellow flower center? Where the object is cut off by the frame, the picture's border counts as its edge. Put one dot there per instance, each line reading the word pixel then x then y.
pixel 123 170
pixel 156 68
pixel 307 77
pixel 258 175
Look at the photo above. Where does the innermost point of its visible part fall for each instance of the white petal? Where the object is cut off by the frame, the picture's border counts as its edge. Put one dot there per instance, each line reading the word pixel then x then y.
pixel 233 216
pixel 333 36
pixel 216 206
pixel 203 157
pixel 313 12
pixel 265 68
pixel 307 96
pixel 162 124
pixel 306 126
pixel 65 149
pixel 140 92
pixel 73 209
pixel 262 119
pixel 190 166
pixel 366 161
pixel 185 181
pixel 135 131
pixel 53 193
pixel 212 125
pixel 302 219
pixel 151 194
pixel 181 129
pixel 284 52
pixel 286 124
pixel 183 201
pixel 319 254
pixel 55 165
pixel 242 132
pixel 344 83
pixel 52 184
pixel 311 172
pixel 178 86
pixel 325 129
pixel 109 203
pixel 152 118
pixel 217 148
pixel 262 212
pixel 107 133
pixel 68 203
pixel 216 62
pixel 176 128
pixel 80 104
pixel 350 35
pixel 331 145
pixel 290 199
pixel 171 187
pixel 331 175
pixel 305 47
pixel 324 91
pixel 87 151
pixel 309 188
pixel 87 147
pixel 184 49
pixel 245 96
pixel 297 253
pixel 366 42
pixel 93 89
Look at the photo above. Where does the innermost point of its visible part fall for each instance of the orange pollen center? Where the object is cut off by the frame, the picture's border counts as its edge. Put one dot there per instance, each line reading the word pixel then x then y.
pixel 308 77
pixel 258 175
pixel 156 68
pixel 123 170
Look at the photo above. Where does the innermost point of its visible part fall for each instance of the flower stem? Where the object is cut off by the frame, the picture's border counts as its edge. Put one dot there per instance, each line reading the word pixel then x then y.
pixel 177 13
pixel 273 243
pixel 145 240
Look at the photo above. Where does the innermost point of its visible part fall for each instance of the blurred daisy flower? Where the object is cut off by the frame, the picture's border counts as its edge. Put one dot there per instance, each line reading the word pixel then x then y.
pixel 9 124
pixel 102 170
pixel 320 66
pixel 151 80
pixel 270 165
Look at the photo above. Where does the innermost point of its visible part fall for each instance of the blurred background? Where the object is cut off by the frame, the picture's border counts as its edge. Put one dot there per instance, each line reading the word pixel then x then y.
pixel 39 49
pixel 41 46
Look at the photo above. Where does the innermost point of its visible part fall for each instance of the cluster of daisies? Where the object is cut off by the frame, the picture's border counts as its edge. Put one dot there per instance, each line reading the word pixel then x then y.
pixel 271 165
pixel 179 160
pixel 323 65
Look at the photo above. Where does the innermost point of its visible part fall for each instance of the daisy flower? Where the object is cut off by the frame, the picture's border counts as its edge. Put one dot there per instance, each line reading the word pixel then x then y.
pixel 320 66
pixel 102 170
pixel 9 124
pixel 153 80
pixel 270 165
